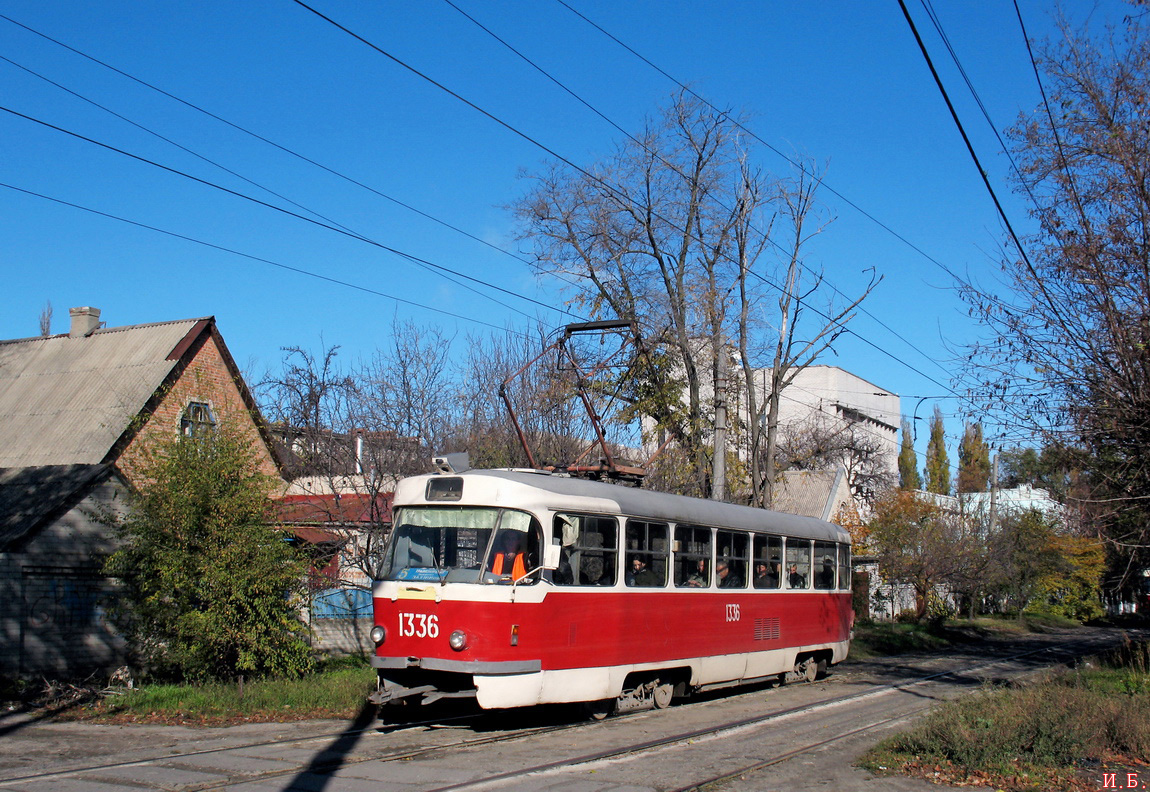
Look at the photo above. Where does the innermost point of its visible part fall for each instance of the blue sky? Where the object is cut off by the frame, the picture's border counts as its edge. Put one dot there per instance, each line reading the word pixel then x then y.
pixel 842 83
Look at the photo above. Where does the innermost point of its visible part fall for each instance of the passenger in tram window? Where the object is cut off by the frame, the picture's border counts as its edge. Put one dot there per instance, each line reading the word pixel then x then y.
pixel 699 578
pixel 727 577
pixel 766 576
pixel 796 579
pixel 639 575
pixel 510 563
pixel 825 579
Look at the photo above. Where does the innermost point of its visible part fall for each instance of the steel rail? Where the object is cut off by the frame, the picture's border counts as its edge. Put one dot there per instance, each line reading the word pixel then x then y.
pixel 711 731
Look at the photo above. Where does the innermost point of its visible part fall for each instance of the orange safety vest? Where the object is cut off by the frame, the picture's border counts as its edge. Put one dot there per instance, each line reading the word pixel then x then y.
pixel 518 568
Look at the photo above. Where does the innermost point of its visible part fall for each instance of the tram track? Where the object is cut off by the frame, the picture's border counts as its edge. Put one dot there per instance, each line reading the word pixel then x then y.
pixel 635 750
pixel 325 761
pixel 316 766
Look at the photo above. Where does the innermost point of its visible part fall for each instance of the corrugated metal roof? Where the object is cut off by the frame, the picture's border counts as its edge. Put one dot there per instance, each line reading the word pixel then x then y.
pixel 65 401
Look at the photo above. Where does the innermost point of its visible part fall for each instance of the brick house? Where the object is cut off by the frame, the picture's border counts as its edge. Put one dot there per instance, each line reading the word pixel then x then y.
pixel 346 521
pixel 73 407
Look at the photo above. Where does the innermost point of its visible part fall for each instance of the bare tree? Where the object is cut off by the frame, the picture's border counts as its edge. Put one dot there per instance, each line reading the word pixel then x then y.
pixel 547 394
pixel 669 232
pixel 46 320
pixel 408 391
pixel 307 403
pixel 792 352
pixel 822 442
pixel 647 236
pixel 338 496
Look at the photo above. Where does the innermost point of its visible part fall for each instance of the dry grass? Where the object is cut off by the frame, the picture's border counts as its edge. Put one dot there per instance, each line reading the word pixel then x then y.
pixel 1038 736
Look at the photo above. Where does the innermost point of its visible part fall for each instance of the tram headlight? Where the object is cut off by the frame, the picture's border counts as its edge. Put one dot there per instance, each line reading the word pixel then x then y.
pixel 378 635
pixel 458 640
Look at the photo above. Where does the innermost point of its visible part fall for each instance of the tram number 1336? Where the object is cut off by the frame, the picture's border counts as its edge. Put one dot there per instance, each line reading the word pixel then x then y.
pixel 419 625
pixel 732 613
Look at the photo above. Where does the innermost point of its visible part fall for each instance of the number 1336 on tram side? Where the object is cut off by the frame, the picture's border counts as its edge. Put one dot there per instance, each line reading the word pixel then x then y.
pixel 516 588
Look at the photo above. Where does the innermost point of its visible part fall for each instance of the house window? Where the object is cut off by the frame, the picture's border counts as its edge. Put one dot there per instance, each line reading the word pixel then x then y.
pixel 197 420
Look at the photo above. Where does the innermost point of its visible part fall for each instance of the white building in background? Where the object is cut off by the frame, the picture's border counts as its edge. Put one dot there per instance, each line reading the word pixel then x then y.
pixel 829 399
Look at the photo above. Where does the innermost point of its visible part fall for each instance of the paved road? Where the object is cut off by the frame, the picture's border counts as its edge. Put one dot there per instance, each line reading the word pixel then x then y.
pixel 333 755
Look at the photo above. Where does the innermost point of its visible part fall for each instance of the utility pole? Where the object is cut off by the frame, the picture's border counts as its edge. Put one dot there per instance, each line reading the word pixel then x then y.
pixel 993 493
pixel 719 456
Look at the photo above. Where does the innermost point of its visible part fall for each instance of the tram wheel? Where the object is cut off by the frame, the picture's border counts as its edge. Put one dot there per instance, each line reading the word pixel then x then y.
pixel 663 695
pixel 821 669
pixel 810 670
pixel 598 710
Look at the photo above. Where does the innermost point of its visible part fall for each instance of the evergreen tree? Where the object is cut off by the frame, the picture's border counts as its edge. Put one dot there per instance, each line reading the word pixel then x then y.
pixel 207 583
pixel 937 471
pixel 973 460
pixel 908 477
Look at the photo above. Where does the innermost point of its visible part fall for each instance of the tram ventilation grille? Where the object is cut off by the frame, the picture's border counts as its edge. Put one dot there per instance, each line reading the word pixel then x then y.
pixel 766 629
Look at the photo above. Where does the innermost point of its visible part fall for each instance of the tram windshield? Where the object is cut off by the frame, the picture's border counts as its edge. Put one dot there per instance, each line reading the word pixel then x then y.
pixel 462 544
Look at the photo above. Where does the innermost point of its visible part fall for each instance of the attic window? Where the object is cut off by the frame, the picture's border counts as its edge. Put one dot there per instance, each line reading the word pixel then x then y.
pixel 197 420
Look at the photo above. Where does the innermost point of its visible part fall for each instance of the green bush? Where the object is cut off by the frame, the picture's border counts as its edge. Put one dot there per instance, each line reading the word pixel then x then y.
pixel 209 590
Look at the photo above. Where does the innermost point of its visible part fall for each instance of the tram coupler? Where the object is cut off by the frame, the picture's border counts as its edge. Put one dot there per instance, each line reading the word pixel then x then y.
pixel 393 694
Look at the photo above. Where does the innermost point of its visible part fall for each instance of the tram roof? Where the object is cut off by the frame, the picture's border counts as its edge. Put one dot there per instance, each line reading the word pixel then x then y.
pixel 634 502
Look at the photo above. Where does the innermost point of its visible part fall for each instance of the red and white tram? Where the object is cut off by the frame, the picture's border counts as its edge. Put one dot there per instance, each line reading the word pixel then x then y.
pixel 520 588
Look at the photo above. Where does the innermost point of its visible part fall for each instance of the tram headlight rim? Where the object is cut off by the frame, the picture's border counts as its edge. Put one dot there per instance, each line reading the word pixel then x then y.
pixel 457 640
pixel 378 634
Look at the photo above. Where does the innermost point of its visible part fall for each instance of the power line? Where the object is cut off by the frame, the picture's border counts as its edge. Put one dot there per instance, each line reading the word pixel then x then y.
pixel 962 131
pixel 170 142
pixel 267 141
pixel 771 147
pixel 551 152
pixel 929 7
pixel 289 268
pixel 735 121
pixel 424 263
pixel 1051 302
pixel 1062 161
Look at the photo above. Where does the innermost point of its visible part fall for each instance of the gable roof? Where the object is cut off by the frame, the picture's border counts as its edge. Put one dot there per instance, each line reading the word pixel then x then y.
pixel 67 400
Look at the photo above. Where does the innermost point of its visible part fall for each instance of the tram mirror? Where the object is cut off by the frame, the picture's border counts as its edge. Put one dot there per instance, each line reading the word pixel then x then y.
pixel 551 555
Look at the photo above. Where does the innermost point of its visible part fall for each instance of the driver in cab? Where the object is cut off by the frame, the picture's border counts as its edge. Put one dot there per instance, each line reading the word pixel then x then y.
pixel 509 561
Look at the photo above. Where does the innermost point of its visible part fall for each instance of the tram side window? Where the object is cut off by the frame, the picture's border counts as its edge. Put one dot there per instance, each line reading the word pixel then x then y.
pixel 731 558
pixel 692 556
pixel 826 565
pixel 798 573
pixel 646 553
pixel 768 561
pixel 844 566
pixel 588 549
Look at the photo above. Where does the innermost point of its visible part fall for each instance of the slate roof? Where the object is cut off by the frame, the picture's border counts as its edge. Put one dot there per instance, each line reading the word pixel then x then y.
pixel 66 400
pixel 29 495
pixel 812 493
